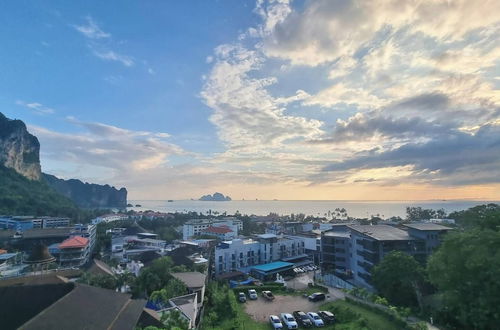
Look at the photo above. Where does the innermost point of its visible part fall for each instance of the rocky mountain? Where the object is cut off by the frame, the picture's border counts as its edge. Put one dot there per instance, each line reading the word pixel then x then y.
pixel 88 194
pixel 216 197
pixel 20 151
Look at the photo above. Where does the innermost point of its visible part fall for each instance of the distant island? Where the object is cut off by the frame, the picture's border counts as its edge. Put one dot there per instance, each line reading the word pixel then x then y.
pixel 216 197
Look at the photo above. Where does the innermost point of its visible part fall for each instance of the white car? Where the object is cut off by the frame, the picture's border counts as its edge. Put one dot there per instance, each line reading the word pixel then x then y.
pixel 315 319
pixel 289 321
pixel 275 322
pixel 252 294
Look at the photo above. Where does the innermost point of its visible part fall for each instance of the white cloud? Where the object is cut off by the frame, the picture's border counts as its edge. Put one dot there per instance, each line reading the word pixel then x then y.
pixel 246 115
pixel 36 107
pixel 91 30
pixel 110 55
pixel 108 147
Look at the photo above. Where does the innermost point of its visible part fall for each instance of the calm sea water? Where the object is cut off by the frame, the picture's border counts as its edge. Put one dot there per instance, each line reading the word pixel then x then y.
pixel 360 209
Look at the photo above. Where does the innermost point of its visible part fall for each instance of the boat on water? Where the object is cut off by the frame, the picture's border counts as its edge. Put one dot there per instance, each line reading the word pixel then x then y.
pixel 170 201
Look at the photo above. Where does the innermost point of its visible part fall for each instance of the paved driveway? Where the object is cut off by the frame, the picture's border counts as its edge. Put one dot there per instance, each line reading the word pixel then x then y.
pixel 260 309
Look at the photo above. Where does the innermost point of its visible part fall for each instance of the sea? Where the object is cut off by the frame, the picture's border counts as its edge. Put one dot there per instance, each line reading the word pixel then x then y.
pixel 358 209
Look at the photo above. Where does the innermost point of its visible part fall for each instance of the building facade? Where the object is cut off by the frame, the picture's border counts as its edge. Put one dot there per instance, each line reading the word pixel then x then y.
pixel 352 251
pixel 242 255
pixel 197 227
pixel 22 223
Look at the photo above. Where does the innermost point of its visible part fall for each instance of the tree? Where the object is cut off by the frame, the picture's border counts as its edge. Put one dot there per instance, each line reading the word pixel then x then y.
pixel 174 320
pixel 481 216
pixel 155 277
pixel 398 277
pixel 173 288
pixel 414 213
pixel 102 281
pixel 466 271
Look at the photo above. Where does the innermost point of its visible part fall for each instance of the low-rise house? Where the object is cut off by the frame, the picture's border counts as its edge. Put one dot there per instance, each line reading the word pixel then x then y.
pixel 195 282
pixel 74 252
pixel 68 306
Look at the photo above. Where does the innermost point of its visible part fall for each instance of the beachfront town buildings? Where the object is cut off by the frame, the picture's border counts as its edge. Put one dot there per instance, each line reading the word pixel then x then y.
pixel 245 255
pixel 197 227
pixel 21 223
pixel 351 251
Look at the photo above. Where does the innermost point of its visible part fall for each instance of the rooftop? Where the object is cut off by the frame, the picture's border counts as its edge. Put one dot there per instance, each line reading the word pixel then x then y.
pixel 74 242
pixel 191 279
pixel 382 232
pixel 337 234
pixel 426 226
pixel 218 230
pixel 273 266
pixel 266 236
pixel 104 309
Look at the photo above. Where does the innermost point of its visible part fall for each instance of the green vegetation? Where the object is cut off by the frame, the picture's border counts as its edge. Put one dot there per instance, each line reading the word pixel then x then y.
pixel 419 214
pixel 398 277
pixel 22 196
pixel 462 275
pixel 155 278
pixel 222 311
pixel 466 272
pixel 351 315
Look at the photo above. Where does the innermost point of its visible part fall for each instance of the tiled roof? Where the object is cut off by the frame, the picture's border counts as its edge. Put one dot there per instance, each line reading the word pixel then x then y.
pixel 74 242
pixel 218 230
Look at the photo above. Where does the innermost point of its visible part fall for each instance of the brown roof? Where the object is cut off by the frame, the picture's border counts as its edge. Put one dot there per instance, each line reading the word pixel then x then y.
pixel 218 230
pixel 74 242
pixel 191 279
pixel 88 307
pixel 99 267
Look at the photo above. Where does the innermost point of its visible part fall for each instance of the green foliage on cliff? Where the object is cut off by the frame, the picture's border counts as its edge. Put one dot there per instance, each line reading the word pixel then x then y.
pixel 21 196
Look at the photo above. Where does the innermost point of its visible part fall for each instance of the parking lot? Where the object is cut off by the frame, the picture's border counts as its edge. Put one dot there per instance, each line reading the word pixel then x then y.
pixel 260 309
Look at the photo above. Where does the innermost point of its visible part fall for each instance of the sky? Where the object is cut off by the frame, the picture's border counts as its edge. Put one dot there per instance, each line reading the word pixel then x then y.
pixel 267 99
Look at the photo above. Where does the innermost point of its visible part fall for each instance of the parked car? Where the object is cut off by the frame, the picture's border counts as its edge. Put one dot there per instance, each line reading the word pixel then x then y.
pixel 268 295
pixel 317 296
pixel 327 316
pixel 289 321
pixel 252 294
pixel 302 319
pixel 275 322
pixel 316 319
pixel 242 297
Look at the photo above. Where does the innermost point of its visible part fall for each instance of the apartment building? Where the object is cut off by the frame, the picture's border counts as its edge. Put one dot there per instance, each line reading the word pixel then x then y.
pixel 243 254
pixel 197 227
pixel 22 223
pixel 351 251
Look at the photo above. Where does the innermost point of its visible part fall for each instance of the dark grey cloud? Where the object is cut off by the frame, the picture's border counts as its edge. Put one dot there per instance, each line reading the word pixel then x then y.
pixel 457 152
pixel 363 127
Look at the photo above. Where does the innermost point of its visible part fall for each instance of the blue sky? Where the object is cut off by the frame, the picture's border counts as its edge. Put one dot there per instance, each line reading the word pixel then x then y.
pixel 260 99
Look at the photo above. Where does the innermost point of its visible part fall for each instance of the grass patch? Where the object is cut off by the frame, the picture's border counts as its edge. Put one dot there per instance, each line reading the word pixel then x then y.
pixel 351 316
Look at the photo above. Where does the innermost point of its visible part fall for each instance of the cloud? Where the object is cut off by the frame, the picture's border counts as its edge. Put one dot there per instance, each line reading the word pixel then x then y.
pixel 94 35
pixel 113 148
pixel 110 55
pixel 324 30
pixel 245 113
pixel 91 30
pixel 438 160
pixel 36 107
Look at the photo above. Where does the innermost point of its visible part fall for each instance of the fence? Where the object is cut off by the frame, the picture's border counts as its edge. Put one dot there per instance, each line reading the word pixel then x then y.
pixel 333 281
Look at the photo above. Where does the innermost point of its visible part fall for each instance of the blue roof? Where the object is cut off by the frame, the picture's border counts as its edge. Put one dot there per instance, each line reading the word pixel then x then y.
pixel 272 266
pixel 6 256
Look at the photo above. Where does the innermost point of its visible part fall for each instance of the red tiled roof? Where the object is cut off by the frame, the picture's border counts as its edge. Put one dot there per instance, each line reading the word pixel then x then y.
pixel 74 242
pixel 218 230
pixel 2 251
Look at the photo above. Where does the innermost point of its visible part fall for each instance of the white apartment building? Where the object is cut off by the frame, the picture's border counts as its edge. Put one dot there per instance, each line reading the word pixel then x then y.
pixel 242 254
pixel 109 218
pixel 197 226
